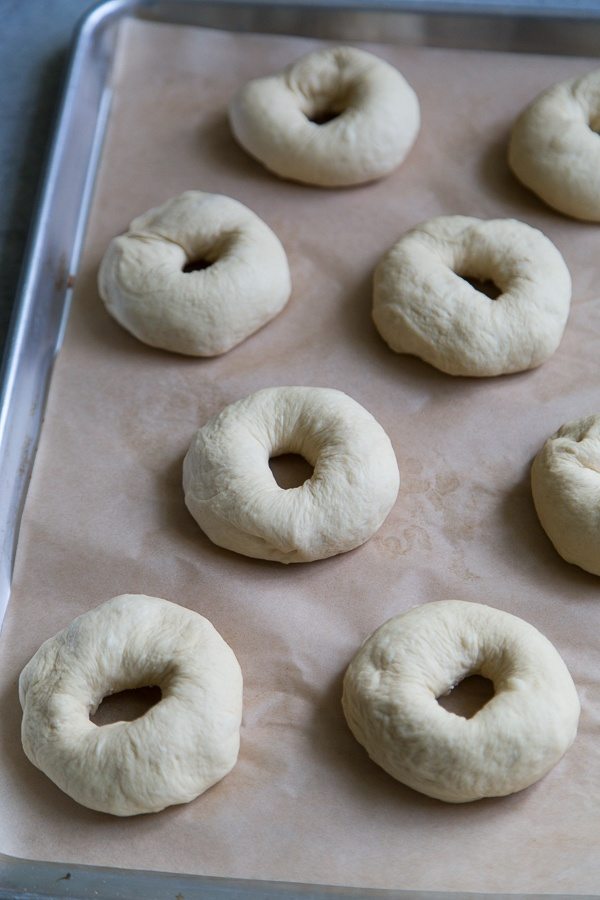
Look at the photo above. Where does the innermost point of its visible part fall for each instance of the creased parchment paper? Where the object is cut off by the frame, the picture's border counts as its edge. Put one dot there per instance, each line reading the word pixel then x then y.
pixel 105 511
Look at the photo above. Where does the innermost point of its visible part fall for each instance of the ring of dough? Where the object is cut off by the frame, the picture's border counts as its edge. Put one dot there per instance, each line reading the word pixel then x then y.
pixel 231 492
pixel 391 686
pixel 335 117
pixel 180 747
pixel 422 304
pixel 565 482
pixel 149 284
pixel 554 147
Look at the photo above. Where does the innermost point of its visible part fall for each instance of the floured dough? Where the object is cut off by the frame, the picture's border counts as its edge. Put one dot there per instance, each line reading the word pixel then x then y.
pixel 565 481
pixel 555 148
pixel 200 313
pixel 231 492
pixel 391 686
pixel 376 118
pixel 423 305
pixel 180 747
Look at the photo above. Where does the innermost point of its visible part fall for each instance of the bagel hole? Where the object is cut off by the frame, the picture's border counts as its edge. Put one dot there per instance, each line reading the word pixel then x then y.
pixel 323 116
pixel 594 124
pixel 468 696
pixel 290 470
pixel 196 265
pixel 328 105
pixel 485 286
pixel 125 706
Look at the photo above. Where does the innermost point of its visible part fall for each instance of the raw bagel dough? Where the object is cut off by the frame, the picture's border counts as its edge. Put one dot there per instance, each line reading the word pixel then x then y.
pixel 376 118
pixel 391 686
pixel 231 492
pixel 422 305
pixel 180 747
pixel 555 151
pixel 565 481
pixel 199 313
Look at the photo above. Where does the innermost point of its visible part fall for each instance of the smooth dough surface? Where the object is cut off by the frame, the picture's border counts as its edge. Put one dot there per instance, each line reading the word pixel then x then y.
pixel 180 747
pixel 231 492
pixel 422 304
pixel 199 313
pixel 554 147
pixel 565 482
pixel 391 686
pixel 376 118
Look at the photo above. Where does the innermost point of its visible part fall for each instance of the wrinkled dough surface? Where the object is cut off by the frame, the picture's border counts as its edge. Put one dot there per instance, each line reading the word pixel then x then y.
pixel 180 747
pixel 376 118
pixel 565 482
pixel 231 492
pixel 554 147
pixel 199 313
pixel 391 686
pixel 422 304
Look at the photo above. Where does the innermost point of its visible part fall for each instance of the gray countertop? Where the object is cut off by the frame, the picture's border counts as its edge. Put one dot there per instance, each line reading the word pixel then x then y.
pixel 35 37
pixel 34 40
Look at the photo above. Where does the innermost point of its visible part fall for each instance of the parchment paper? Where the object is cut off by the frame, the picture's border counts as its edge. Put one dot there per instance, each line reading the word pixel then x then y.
pixel 105 511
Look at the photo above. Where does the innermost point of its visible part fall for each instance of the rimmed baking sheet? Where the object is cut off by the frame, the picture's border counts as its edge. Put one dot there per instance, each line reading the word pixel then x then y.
pixel 105 514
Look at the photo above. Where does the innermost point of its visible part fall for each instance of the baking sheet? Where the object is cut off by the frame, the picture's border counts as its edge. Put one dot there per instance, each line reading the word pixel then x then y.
pixel 105 512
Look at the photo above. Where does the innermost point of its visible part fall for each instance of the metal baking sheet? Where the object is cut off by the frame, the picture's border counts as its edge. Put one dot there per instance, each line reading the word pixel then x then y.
pixel 52 267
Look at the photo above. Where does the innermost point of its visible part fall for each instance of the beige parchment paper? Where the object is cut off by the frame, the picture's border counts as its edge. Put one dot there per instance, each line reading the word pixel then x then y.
pixel 105 512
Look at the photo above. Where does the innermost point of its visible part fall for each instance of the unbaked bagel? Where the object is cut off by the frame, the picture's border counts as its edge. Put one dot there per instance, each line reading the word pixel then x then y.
pixel 391 686
pixel 231 492
pixel 196 275
pixel 555 149
pixel 423 305
pixel 180 747
pixel 565 482
pixel 337 116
